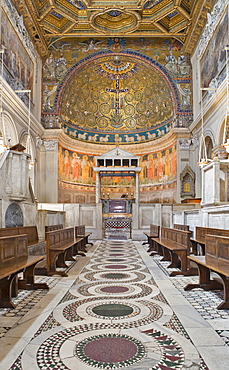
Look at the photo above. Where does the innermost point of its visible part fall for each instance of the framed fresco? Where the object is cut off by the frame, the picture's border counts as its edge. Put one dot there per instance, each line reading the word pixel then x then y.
pixel 214 57
pixel 16 59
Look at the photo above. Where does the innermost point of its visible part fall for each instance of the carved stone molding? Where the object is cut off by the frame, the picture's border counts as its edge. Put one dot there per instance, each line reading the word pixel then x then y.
pixel 50 145
pixel 39 142
pixel 185 143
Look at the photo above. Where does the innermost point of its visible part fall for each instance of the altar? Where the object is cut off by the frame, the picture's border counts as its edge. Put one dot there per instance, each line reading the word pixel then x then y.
pixel 117 218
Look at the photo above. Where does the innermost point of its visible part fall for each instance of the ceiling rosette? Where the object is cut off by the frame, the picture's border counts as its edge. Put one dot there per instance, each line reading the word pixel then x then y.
pixel 114 21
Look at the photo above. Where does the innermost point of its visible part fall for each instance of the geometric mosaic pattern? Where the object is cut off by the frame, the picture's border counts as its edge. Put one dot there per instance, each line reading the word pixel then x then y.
pixel 112 316
pixel 144 289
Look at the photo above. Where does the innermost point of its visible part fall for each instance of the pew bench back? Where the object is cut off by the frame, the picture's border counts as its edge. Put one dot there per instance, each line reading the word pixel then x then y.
pixel 201 233
pixel 31 231
pixel 181 227
pixel 178 238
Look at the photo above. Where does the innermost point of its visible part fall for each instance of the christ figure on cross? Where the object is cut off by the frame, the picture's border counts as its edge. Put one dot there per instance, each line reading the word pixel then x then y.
pixel 117 91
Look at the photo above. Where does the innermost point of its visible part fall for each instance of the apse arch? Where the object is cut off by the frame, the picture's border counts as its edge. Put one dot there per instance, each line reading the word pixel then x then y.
pixel 141 119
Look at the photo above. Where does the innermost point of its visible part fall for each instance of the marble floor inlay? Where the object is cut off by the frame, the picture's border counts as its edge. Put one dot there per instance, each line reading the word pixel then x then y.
pixel 118 308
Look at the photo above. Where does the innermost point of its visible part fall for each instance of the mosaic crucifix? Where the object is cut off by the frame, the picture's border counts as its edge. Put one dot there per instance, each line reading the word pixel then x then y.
pixel 117 91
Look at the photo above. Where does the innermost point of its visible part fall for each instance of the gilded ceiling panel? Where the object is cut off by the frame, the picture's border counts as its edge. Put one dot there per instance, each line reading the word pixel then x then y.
pixel 88 18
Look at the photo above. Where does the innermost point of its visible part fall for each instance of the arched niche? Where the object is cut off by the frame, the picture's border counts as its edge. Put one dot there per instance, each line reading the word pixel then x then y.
pixel 28 143
pixel 209 147
pixel 8 129
pixel 187 178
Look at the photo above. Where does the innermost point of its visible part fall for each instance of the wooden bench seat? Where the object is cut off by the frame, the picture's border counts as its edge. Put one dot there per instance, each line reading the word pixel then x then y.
pixel 174 246
pixel 61 246
pixel 181 227
pixel 80 232
pixel 53 228
pixel 35 246
pixel 199 240
pixel 13 260
pixel 153 233
pixel 216 260
pixel 31 231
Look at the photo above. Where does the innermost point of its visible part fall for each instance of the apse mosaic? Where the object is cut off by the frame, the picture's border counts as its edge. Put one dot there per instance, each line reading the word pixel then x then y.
pixel 77 178
pixel 117 89
pixel 123 94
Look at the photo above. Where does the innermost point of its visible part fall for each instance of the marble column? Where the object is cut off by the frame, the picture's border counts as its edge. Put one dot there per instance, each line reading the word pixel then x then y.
pixel 136 187
pixel 98 188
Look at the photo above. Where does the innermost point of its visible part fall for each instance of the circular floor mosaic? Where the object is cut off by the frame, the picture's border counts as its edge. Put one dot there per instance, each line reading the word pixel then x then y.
pixel 130 277
pixel 115 275
pixel 114 267
pixel 116 260
pixel 136 290
pixel 130 266
pixel 110 351
pixel 160 351
pixel 114 310
pixel 114 289
pixel 145 312
pixel 116 254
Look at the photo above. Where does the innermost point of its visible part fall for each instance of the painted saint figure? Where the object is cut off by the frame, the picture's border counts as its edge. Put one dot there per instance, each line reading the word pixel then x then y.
pixel 171 63
pixel 66 164
pixel 75 166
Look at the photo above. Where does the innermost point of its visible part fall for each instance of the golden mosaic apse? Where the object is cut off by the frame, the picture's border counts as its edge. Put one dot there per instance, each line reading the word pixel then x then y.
pixel 116 93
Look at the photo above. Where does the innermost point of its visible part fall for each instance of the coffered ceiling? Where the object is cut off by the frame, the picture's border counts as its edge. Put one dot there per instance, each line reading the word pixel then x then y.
pixel 49 20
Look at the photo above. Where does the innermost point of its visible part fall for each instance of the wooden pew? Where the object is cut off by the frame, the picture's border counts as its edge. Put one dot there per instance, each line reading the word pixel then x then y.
pixel 80 232
pixel 31 231
pixel 154 232
pixel 201 233
pixel 13 260
pixel 61 246
pixel 53 228
pixel 174 246
pixel 181 227
pixel 216 259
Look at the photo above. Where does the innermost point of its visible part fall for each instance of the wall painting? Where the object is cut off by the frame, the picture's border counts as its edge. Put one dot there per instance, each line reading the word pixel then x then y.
pixel 16 59
pixel 214 58
pixel 77 177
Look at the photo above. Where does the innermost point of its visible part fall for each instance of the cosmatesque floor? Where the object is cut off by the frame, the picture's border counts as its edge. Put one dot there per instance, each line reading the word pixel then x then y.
pixel 117 308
